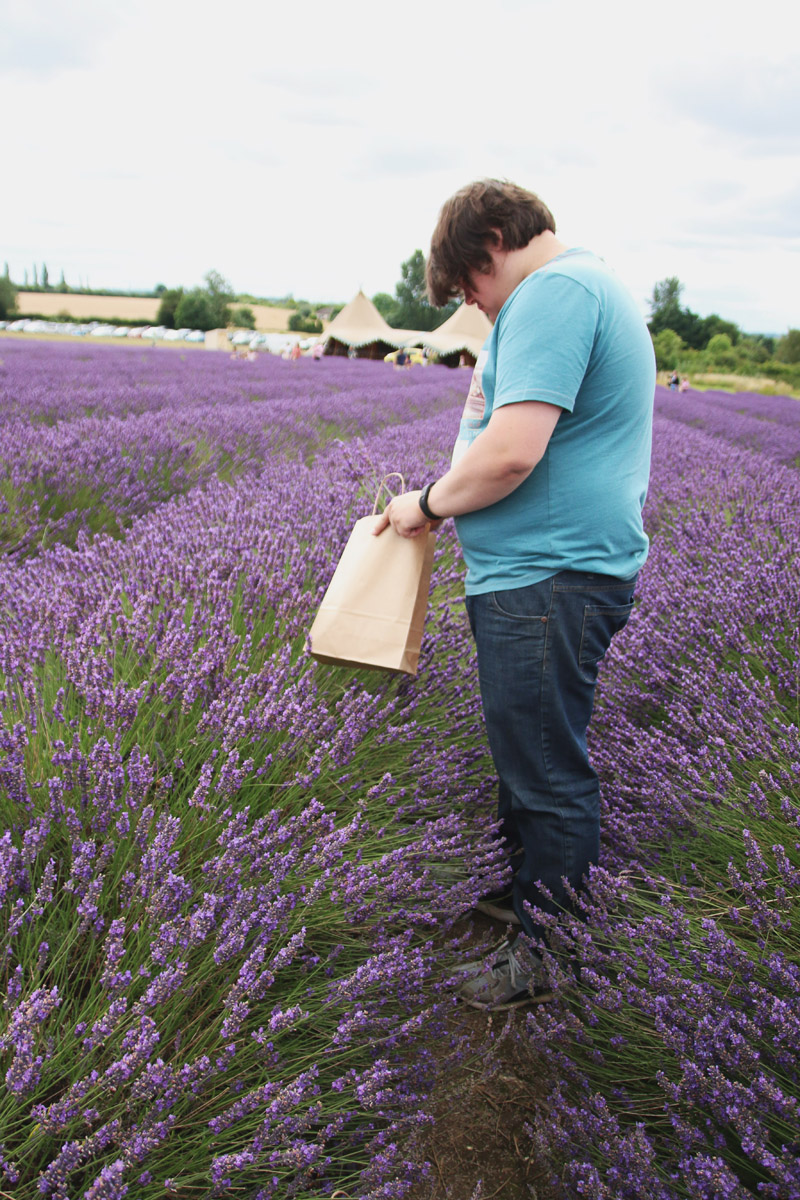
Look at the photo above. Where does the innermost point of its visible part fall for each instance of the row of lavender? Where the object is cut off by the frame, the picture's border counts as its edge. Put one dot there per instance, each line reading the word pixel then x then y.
pixel 673 1068
pixel 224 867
pixel 226 871
pixel 118 435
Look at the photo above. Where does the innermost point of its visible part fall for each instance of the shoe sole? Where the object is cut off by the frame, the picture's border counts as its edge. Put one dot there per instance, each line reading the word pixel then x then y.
pixel 485 1005
pixel 506 915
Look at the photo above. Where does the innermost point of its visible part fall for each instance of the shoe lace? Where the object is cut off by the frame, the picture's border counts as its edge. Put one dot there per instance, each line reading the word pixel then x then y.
pixel 510 965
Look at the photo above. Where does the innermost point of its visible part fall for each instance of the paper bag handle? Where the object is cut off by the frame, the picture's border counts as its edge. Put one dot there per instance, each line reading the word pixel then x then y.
pixel 382 485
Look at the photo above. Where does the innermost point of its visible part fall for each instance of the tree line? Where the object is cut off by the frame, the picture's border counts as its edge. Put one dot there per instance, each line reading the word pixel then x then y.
pixel 682 339
pixel 687 342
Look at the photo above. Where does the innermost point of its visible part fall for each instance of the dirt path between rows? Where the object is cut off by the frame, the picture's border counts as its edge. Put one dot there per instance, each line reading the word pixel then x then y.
pixel 477 1145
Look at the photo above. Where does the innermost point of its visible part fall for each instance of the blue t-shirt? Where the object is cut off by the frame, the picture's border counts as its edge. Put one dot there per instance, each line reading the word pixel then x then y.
pixel 570 335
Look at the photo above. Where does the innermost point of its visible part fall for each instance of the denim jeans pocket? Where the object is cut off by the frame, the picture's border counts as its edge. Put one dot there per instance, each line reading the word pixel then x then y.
pixel 600 623
pixel 522 604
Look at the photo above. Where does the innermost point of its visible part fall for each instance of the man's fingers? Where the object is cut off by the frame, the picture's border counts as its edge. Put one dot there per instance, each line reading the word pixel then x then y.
pixel 381 521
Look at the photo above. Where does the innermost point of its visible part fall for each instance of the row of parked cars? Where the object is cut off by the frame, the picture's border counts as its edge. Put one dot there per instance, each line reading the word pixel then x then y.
pixel 274 343
pixel 96 329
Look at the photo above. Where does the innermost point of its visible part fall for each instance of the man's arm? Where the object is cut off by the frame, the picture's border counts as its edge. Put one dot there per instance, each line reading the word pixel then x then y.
pixel 494 466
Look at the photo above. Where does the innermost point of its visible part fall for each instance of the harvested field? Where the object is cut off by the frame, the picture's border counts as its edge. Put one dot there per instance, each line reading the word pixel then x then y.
pixel 129 308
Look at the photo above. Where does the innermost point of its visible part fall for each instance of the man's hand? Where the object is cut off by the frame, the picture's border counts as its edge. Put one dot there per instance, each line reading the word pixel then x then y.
pixel 404 515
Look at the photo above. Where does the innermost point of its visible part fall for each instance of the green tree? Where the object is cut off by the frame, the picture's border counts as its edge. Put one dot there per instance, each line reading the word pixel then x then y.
pixel 8 297
pixel 385 305
pixel 45 277
pixel 195 311
pixel 788 348
pixel 220 293
pixel 62 283
pixel 412 310
pixel 300 322
pixel 666 298
pixel 713 324
pixel 720 351
pixel 752 349
pixel 170 299
pixel 666 313
pixel 244 317
pixel 667 346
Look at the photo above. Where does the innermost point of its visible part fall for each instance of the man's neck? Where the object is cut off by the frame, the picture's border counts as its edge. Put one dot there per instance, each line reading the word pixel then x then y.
pixel 539 251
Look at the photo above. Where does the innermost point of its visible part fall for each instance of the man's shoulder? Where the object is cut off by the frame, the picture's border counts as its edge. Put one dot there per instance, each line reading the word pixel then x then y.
pixel 570 283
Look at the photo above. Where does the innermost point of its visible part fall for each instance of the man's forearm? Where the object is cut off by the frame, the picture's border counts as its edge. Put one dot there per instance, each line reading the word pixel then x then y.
pixel 496 463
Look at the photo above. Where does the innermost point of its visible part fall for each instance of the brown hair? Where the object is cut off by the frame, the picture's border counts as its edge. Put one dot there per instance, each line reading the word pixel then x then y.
pixel 472 218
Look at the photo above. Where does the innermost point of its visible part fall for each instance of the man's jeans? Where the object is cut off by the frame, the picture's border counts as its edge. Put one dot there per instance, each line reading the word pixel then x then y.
pixel 538 653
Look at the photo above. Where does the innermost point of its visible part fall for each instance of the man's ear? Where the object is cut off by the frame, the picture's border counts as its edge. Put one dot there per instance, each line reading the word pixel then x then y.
pixel 494 239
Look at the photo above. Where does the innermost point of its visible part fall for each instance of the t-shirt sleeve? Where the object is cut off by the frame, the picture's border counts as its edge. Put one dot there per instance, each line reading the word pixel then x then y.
pixel 545 341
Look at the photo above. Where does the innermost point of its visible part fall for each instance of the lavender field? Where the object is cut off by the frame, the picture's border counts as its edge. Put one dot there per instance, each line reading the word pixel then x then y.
pixel 232 878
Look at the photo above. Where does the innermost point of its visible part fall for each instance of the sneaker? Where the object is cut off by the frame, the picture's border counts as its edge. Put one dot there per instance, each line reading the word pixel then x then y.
pixel 509 978
pixel 499 906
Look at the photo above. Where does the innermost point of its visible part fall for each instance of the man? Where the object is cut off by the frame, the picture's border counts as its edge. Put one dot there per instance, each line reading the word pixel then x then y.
pixel 547 483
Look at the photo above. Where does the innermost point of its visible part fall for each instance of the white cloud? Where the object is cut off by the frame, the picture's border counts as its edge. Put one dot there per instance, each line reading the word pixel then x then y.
pixel 309 150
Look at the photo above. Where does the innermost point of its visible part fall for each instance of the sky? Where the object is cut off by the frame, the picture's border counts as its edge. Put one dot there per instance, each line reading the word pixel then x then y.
pixel 307 148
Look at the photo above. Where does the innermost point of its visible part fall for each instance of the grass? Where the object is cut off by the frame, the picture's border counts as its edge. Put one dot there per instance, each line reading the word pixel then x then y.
pixel 727 382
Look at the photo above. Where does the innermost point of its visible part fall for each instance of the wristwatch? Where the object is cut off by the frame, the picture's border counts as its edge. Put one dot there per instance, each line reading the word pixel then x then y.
pixel 423 503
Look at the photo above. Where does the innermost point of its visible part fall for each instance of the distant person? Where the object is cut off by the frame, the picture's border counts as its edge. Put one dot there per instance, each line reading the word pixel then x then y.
pixel 352 352
pixel 684 385
pixel 401 358
pixel 316 353
pixel 674 381
pixel 295 353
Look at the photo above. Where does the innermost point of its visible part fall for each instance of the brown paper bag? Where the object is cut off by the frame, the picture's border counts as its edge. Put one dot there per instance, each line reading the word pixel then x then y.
pixel 373 612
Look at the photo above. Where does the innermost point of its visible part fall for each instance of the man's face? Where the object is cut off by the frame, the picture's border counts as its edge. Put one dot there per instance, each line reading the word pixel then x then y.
pixel 489 291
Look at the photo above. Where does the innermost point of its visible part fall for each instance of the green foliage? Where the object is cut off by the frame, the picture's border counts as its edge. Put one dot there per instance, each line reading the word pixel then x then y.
pixel 720 352
pixel 788 347
pixel 195 311
pixel 666 296
pixel 755 349
pixel 300 323
pixel 695 331
pixel 386 305
pixel 713 325
pixel 201 308
pixel 220 294
pixel 170 299
pixel 45 277
pixel 63 286
pixel 667 346
pixel 244 318
pixel 412 310
pixel 8 297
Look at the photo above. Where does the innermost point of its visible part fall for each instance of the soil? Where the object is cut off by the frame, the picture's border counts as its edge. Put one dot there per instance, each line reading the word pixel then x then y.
pixel 477 1146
